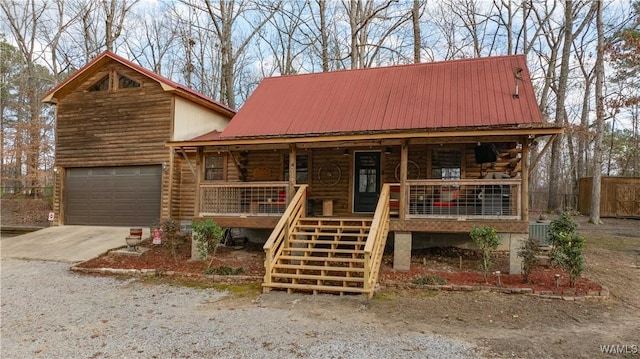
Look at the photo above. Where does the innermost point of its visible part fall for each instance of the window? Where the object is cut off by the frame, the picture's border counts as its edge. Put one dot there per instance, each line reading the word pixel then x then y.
pixel 125 82
pixel 214 168
pixel 105 83
pixel 446 163
pixel 102 85
pixel 301 168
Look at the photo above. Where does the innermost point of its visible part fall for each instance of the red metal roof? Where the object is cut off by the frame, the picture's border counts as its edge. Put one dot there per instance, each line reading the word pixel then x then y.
pixel 99 60
pixel 429 96
pixel 209 136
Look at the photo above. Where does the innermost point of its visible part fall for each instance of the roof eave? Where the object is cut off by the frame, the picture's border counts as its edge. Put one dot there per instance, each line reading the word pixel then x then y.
pixel 536 131
pixel 166 84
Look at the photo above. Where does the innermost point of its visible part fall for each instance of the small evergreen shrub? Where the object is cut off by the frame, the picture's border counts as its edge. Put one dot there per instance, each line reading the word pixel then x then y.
pixel 429 279
pixel 528 253
pixel 207 234
pixel 488 241
pixel 568 246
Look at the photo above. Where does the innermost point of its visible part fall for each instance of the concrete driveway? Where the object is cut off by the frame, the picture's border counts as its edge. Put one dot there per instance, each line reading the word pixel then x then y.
pixel 65 243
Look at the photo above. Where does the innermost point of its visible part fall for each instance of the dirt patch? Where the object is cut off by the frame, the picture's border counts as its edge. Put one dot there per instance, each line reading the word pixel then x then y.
pixel 24 212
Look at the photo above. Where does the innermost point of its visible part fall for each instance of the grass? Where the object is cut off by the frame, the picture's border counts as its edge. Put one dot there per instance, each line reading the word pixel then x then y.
pixel 224 270
pixel 250 289
pixel 240 290
pixel 612 243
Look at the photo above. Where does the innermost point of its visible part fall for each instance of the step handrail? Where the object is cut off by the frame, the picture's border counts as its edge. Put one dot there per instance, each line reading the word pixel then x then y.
pixel 376 240
pixel 280 235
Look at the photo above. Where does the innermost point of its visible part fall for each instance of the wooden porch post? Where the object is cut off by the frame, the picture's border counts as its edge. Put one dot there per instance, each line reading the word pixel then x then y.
pixel 525 180
pixel 292 172
pixel 197 174
pixel 404 158
pixel 171 184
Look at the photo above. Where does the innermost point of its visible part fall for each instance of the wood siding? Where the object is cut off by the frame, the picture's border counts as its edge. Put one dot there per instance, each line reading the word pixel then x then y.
pixel 262 166
pixel 506 162
pixel 114 128
pixel 341 192
pixel 184 187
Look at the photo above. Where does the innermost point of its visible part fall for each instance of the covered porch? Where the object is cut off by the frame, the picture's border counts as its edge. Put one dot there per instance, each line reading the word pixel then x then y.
pixel 436 181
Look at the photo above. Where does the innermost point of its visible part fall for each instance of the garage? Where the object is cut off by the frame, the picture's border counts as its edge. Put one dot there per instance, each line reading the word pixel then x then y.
pixel 113 196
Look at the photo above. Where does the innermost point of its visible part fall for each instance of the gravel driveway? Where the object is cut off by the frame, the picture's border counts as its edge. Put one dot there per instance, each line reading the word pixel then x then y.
pixel 49 312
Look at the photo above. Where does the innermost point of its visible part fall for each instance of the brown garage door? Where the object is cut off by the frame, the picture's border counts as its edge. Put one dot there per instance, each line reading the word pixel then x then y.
pixel 113 196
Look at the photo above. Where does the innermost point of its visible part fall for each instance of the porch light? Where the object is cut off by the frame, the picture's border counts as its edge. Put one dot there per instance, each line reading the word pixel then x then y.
pixel 387 151
pixel 346 153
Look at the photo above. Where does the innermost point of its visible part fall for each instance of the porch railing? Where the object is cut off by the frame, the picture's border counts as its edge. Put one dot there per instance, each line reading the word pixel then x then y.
pixel 280 235
pixel 243 198
pixel 461 199
pixel 376 240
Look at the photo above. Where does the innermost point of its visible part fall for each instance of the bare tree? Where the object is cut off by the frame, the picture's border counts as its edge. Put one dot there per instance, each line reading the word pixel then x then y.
pixel 555 199
pixel 282 39
pixel 224 16
pixel 594 216
pixel 416 13
pixel 23 20
pixel 474 25
pixel 115 13
pixel 152 43
pixel 370 27
pixel 54 25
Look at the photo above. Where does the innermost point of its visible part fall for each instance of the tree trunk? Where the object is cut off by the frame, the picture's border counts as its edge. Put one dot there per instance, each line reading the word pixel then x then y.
pixel 324 38
pixel 597 150
pixel 415 18
pixel 555 203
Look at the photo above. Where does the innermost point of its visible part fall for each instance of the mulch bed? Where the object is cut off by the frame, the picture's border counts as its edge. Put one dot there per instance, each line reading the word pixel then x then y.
pixel 443 262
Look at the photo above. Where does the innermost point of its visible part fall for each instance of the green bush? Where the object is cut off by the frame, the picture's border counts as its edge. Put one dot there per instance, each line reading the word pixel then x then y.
pixel 207 234
pixel 567 252
pixel 429 279
pixel 487 240
pixel 528 253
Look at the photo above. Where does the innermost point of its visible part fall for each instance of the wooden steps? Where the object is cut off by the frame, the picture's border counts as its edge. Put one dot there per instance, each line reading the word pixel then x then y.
pixel 323 255
pixel 318 288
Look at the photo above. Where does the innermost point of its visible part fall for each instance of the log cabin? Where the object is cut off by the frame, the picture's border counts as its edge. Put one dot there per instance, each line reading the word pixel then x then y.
pixel 113 120
pixel 334 164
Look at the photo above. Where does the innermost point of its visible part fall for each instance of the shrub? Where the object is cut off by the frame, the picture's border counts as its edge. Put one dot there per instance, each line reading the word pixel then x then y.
pixel 567 252
pixel 207 234
pixel 171 236
pixel 528 253
pixel 429 279
pixel 224 270
pixel 487 240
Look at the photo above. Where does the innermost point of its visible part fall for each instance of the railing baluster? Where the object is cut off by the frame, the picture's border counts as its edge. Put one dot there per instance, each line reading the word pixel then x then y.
pixel 242 198
pixel 455 199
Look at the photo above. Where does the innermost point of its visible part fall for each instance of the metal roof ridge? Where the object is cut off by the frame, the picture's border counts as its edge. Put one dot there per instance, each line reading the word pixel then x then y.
pixel 448 62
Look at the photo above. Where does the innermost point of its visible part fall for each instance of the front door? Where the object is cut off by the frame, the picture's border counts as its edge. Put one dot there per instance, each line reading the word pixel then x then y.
pixel 366 181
